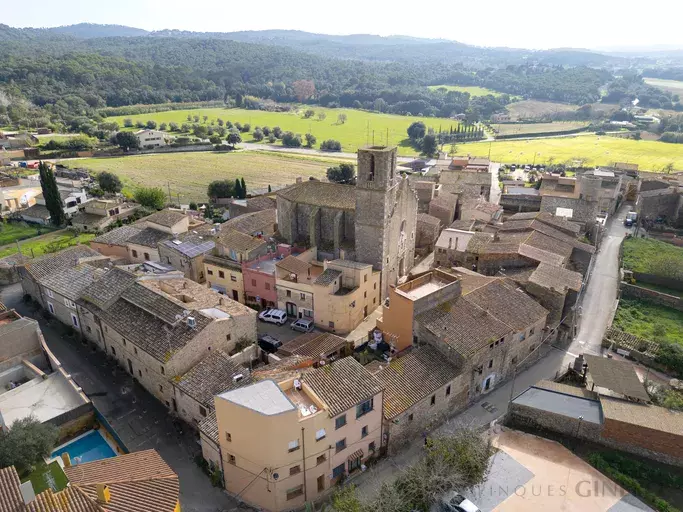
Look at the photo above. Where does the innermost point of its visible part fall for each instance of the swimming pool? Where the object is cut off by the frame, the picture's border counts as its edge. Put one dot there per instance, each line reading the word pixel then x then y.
pixel 86 448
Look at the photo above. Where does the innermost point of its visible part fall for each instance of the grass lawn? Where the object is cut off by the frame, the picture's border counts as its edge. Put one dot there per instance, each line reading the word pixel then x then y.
pixel 472 89
pixel 13 231
pixel 189 174
pixel 356 132
pixel 45 477
pixel 641 253
pixel 596 150
pixel 649 321
pixel 531 128
pixel 41 245
pixel 673 86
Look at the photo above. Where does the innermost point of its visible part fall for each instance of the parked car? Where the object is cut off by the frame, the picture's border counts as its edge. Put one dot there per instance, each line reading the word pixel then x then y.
pixel 630 219
pixel 454 502
pixel 275 316
pixel 302 325
pixel 262 314
pixel 269 343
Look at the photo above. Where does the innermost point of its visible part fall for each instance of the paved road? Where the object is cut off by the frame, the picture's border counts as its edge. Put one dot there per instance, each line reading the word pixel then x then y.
pixel 139 419
pixel 495 184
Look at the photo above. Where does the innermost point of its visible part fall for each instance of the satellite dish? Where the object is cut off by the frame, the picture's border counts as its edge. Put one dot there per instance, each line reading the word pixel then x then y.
pixel 276 476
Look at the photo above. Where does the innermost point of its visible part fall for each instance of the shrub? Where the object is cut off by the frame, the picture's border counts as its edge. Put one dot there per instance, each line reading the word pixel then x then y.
pixel 258 135
pixel 151 197
pixel 291 140
pixel 331 145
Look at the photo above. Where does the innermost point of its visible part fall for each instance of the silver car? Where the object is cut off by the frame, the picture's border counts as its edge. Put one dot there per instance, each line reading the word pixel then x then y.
pixel 302 325
pixel 454 502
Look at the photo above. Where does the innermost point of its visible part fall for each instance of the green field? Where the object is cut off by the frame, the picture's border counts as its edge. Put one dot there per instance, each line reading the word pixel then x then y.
pixel 673 86
pixel 594 150
pixel 189 174
pixel 46 243
pixel 472 89
pixel 12 231
pixel 650 256
pixel 360 128
pixel 46 477
pixel 532 128
pixel 650 321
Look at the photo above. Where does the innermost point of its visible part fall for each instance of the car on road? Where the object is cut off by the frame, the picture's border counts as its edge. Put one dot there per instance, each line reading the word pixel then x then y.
pixel 269 344
pixel 454 502
pixel 275 316
pixel 630 219
pixel 263 313
pixel 302 325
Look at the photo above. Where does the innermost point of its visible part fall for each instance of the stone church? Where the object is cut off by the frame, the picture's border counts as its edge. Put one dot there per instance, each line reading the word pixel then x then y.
pixel 372 222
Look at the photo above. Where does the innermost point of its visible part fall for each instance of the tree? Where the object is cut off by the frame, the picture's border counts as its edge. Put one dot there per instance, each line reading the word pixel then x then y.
pixel 189 118
pixel 291 140
pixel 163 127
pixel 193 206
pixel 139 124
pixel 238 189
pixel 109 182
pixel 417 130
pixel 221 188
pixel 234 138
pixel 151 197
pixel 258 135
pixel 331 145
pixel 245 128
pixel 215 139
pixel 266 131
pixel 270 189
pixel 429 145
pixel 341 118
pixel 200 131
pixel 309 113
pixel 277 131
pixel 195 119
pixel 27 443
pixel 272 138
pixel 53 201
pixel 128 122
pixel 127 140
pixel 243 187
pixel 238 126
pixel 205 118
pixel 151 125
pixel 380 105
pixel 342 173
pixel 310 140
pixel 303 89
pixel 321 116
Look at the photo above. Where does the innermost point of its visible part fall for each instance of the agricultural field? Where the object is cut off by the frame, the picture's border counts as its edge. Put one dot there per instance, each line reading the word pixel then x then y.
pixel 51 242
pixel 530 109
pixel 472 89
pixel 592 149
pixel 10 232
pixel 189 174
pixel 358 130
pixel 673 86
pixel 532 128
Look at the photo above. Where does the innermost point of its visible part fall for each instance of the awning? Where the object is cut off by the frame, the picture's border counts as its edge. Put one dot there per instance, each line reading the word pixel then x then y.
pixel 358 454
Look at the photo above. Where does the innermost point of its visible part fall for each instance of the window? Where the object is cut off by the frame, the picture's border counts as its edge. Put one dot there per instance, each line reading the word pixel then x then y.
pixel 514 360
pixel 135 350
pixel 113 350
pixel 371 447
pixel 228 337
pixel 88 328
pixel 522 336
pixel 365 295
pixel 363 408
pixel 50 294
pixel 433 400
pixel 105 329
pixel 74 320
pixel 491 363
pixel 338 471
pixel 365 278
pixel 161 388
pixel 374 300
pixel 340 422
pixel 135 253
pixel 140 373
pixel 374 286
pixel 233 278
pixel 531 348
pixel 209 271
pixel 331 325
pixel 253 282
pixel 221 274
pixel 267 286
pixel 293 445
pixel 491 346
pixel 228 437
pixel 341 444
pixel 51 307
pixel 202 411
pixel 531 331
pixel 321 458
pixel 302 296
pixel 308 313
pixel 364 431
pixel 69 304
pixel 124 341
pixel 168 260
pixel 147 256
pixel 320 434
pixel 289 293
pixel 295 492
pixel 231 459
pixel 163 370
pixel 448 390
pixel 410 417
pixel 294 470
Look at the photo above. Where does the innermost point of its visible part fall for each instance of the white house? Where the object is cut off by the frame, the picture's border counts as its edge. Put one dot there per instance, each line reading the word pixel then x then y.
pixel 149 139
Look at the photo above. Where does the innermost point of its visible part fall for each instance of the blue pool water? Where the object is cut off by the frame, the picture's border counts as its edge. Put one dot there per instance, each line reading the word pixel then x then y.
pixel 91 446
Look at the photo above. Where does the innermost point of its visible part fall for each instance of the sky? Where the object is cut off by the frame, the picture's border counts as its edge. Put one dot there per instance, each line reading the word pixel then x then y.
pixel 537 24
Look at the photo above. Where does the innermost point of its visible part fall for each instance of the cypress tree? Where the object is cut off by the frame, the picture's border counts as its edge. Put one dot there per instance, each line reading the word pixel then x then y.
pixel 244 189
pixel 53 201
pixel 238 189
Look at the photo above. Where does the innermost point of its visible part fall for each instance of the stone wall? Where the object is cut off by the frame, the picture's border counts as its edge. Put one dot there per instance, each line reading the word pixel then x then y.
pixel 530 418
pixel 663 299
pixel 515 203
pixel 8 275
pixel 654 203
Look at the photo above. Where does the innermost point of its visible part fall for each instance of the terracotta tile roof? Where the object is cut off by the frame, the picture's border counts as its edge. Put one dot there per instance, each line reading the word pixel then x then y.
pixel 209 426
pixel 294 265
pixel 617 376
pixel 559 222
pixel 430 220
pixel 237 241
pixel 541 256
pixel 565 389
pixel 211 376
pixel 561 279
pixel 482 206
pixel 473 280
pixel 314 345
pixel 319 193
pixel 647 416
pixel 502 299
pixel 446 200
pixel 549 244
pixel 154 495
pixel 109 287
pixel 263 221
pixel 523 216
pixel 350 264
pixel 342 385
pixel 479 242
pixel 166 218
pixel 37 211
pixel 50 263
pixel 261 203
pixel 153 303
pixel 89 219
pixel 71 282
pixel 559 235
pixel 414 377
pixel 516 225
pixel 118 236
pixel 149 237
pixel 327 277
pixel 71 499
pixel 10 495
pixel 464 326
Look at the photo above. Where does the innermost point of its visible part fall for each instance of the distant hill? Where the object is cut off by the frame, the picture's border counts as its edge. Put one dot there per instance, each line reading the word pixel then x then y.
pixel 90 30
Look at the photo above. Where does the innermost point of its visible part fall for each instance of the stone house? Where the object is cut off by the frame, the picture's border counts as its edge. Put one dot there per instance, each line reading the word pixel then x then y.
pixel 261 223
pixel 661 199
pixel 294 277
pixel 144 246
pixel 252 204
pixel 98 214
pixel 372 222
pixel 186 252
pixel 320 347
pixel 444 207
pixel 428 230
pixel 168 221
pixel 224 276
pixel 426 192
pixel 556 289
pixel 114 243
pixel 481 210
pixel 150 139
pixel 470 184
pixel 451 247
pixel 345 293
pixel 315 429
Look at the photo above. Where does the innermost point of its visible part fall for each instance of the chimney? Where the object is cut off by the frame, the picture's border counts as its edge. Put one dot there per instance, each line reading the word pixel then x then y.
pixel 103 494
pixel 66 459
pixel 191 322
pixel 217 227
